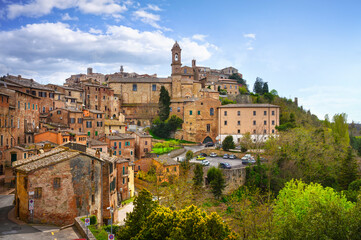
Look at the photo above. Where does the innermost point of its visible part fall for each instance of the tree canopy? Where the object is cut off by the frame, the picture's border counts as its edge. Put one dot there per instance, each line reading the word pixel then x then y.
pixel 164 104
pixel 228 143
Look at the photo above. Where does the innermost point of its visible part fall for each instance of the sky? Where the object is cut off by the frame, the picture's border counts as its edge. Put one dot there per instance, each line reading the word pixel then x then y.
pixel 306 49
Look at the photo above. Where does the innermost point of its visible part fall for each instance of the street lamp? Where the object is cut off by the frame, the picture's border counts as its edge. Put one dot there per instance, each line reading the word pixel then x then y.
pixel 111 219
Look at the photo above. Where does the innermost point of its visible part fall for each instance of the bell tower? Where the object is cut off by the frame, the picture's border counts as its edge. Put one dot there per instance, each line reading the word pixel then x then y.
pixel 176 59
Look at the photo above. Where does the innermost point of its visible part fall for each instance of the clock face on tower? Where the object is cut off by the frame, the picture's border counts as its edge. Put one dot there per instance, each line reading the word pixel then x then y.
pixel 176 57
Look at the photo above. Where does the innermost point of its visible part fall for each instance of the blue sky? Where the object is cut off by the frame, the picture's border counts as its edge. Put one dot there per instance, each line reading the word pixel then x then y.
pixel 305 49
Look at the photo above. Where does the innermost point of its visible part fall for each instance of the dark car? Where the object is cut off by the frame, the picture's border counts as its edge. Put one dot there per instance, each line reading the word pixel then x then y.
pixel 210 144
pixel 225 165
pixel 232 156
pixel 226 156
pixel 203 154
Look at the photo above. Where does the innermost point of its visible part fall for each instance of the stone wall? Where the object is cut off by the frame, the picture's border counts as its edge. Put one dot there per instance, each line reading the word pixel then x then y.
pixel 79 224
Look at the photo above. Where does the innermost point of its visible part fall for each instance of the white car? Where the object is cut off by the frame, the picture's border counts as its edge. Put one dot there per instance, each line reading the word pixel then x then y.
pixel 205 163
pixel 213 154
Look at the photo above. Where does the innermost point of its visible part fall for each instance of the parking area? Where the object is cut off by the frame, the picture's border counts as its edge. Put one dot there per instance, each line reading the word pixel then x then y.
pixel 214 161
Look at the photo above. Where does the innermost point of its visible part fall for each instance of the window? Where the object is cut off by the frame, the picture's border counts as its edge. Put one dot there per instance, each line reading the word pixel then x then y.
pixel 265 113
pixel 170 109
pixel 120 144
pixel 72 100
pixel 88 124
pixel 225 122
pixel 238 122
pixel 254 122
pixel 199 112
pixel 43 109
pixel 238 113
pixel 58 112
pixel 175 169
pixel 225 113
pixel 273 113
pixel 123 180
pixel 146 143
pixel 273 122
pixel 123 170
pixel 190 112
pixel 38 192
pixel 134 87
pixel 154 87
pixel 131 153
pixel 36 106
pixel 56 182
pixel 72 120
pixel 208 127
pixel 24 155
pixel 19 104
pixel 273 131
pixel 254 113
pixel 239 131
pixel 80 120
pixel 93 199
pixel 211 111
pixel 264 122
pixel 33 106
pixel 115 153
pixel 18 122
pixel 120 152
pixel 29 106
pixel 254 131
pixel 265 131
pixel 178 109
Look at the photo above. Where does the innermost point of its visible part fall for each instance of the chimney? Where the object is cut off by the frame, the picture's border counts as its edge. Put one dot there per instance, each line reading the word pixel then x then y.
pixel 193 63
pixel 110 152
pixel 97 153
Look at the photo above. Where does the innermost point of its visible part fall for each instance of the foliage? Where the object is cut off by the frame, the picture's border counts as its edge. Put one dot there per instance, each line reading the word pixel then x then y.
pixel 228 143
pixel 143 207
pixel 243 90
pixel 222 91
pixel 311 211
pixel 258 86
pixel 188 223
pixel 339 128
pixel 265 88
pixel 189 155
pixel 274 92
pixel 216 181
pixel 226 101
pixel 355 143
pixel 237 77
pixel 92 218
pixel 164 104
pixel 246 142
pixel 168 139
pixel 256 176
pixel 198 175
pixel 174 122
pixel 348 170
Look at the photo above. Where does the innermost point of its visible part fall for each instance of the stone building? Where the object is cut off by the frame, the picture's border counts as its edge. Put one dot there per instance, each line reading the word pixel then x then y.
pixel 60 185
pixel 260 120
pixel 94 123
pixel 69 117
pixel 143 144
pixel 114 126
pixel 122 145
pixel 60 137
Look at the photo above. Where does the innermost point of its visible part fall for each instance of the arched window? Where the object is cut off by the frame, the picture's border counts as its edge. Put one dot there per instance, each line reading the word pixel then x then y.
pixel 211 111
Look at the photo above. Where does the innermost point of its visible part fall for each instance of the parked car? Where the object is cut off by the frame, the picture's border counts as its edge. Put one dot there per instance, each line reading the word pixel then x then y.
pixel 199 157
pixel 203 154
pixel 213 154
pixel 205 163
pixel 232 156
pixel 226 156
pixel 248 159
pixel 225 165
pixel 209 144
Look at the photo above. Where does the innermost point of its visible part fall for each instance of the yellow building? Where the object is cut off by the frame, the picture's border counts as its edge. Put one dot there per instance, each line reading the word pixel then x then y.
pixel 113 126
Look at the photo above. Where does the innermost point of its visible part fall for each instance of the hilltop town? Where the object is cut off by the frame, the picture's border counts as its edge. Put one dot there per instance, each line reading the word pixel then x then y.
pixel 85 139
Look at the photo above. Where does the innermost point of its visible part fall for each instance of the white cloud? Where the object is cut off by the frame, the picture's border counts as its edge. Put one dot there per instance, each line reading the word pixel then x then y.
pixel 250 35
pixel 250 48
pixel 50 49
pixel 149 18
pixel 199 37
pixel 95 31
pixel 153 7
pixel 66 17
pixel 40 8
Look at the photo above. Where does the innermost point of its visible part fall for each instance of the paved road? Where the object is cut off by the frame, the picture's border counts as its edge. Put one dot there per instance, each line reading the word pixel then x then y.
pixel 10 230
pixel 214 162
pixel 122 212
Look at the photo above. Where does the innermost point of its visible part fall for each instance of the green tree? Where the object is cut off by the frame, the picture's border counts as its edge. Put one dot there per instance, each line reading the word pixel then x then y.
pixel 189 155
pixel 265 88
pixel 164 104
pixel 274 92
pixel 258 86
pixel 189 223
pixel 228 143
pixel 143 207
pixel 311 211
pixel 348 170
pixel 340 129
pixel 256 176
pixel 174 122
pixel 237 77
pixel 216 181
pixel 198 176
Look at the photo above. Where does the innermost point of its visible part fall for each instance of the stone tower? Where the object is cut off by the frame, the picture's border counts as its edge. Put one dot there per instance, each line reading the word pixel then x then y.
pixel 176 59
pixel 176 71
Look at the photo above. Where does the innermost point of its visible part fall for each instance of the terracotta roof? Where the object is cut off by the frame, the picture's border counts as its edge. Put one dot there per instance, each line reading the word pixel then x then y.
pixel 112 122
pixel 116 79
pixel 166 161
pixel 30 83
pixel 103 156
pixel 120 136
pixel 37 157
pixel 142 134
pixel 94 142
pixel 251 105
